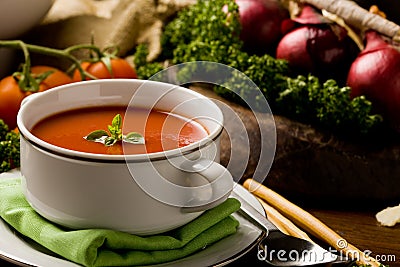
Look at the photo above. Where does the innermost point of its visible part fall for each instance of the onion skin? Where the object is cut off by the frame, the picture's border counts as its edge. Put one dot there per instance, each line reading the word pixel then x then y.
pixel 261 24
pixel 376 74
pixel 315 45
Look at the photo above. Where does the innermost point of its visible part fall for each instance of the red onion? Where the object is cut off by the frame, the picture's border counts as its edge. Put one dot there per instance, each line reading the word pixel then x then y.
pixel 316 45
pixel 261 24
pixel 376 74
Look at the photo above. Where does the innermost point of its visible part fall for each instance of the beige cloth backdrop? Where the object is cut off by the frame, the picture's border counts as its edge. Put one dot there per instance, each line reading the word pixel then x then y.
pixel 122 23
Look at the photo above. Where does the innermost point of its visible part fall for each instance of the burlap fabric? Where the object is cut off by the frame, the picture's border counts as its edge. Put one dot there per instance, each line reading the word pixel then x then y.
pixel 121 23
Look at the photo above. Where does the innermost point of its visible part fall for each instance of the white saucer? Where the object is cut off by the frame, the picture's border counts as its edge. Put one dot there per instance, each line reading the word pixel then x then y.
pixel 22 251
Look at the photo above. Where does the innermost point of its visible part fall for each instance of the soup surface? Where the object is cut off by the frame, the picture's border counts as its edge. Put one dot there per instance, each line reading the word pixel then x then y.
pixel 161 130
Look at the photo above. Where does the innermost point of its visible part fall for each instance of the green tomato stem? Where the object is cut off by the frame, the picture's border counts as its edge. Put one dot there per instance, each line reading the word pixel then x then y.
pixel 61 53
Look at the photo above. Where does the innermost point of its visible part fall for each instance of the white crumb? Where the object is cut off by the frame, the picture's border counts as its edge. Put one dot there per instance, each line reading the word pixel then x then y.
pixel 389 216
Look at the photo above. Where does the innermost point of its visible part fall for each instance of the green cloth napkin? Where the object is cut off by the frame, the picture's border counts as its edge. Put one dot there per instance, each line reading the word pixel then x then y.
pixel 101 247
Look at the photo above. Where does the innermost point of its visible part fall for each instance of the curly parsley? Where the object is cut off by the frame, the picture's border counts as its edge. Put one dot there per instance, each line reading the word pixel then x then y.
pixel 209 31
pixel 9 148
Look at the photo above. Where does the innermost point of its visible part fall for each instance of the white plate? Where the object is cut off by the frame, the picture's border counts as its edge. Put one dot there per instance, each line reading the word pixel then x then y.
pixel 25 252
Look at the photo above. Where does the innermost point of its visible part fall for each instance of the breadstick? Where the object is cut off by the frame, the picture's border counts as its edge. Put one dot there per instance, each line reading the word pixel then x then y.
pixel 283 224
pixel 309 223
pixel 273 219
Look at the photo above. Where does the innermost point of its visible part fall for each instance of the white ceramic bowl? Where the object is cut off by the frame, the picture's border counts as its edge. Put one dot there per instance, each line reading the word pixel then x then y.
pixel 141 194
pixel 19 16
pixel 16 18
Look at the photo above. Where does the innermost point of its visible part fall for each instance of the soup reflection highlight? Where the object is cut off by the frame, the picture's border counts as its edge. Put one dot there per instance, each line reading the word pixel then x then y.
pixel 161 130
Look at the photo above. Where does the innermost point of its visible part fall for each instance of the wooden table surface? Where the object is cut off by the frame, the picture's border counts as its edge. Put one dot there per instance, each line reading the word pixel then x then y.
pixel 358 228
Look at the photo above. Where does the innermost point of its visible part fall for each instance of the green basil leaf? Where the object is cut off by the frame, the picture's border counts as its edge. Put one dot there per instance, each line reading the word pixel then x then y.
pixel 109 141
pixel 134 138
pixel 114 135
pixel 115 132
pixel 97 135
pixel 117 122
pixel 115 127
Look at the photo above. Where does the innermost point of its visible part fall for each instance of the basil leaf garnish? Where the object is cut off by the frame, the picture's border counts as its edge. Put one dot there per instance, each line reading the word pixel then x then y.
pixel 96 136
pixel 134 138
pixel 114 134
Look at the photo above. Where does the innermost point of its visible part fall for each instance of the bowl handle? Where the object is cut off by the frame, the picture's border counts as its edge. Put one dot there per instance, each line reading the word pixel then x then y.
pixel 219 178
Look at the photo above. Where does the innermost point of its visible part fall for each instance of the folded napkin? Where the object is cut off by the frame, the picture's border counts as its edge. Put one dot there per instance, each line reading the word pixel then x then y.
pixel 100 247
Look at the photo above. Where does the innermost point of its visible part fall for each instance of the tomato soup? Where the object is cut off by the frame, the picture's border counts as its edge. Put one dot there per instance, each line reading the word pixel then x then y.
pixel 161 130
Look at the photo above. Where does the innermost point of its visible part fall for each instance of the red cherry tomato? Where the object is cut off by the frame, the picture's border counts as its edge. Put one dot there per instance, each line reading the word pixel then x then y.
pixel 11 95
pixel 120 69
pixel 56 78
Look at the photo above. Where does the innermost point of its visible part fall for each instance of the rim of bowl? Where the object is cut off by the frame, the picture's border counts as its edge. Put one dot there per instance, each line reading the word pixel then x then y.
pixel 94 157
